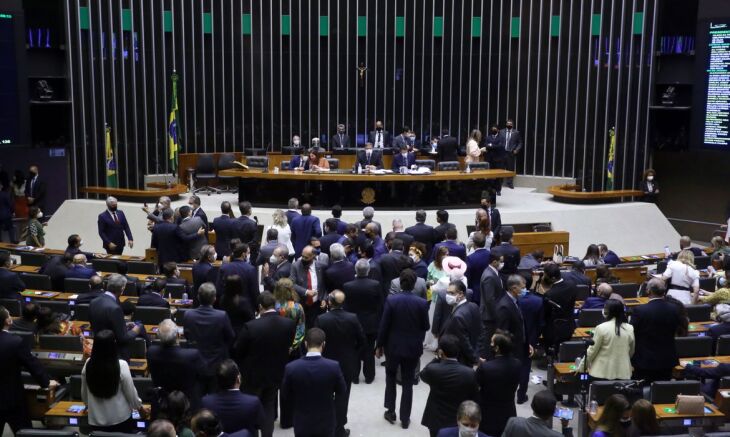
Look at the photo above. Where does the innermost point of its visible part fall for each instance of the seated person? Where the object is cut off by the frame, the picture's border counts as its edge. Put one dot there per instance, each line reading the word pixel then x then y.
pixel 369 159
pixel 608 256
pixel 531 261
pixel 317 161
pixel 403 159
pixel 722 294
pixel 79 269
pixel 710 375
pixel 468 419
pixel 722 316
pixel 48 322
pixel 153 296
pixel 604 275
pixel 27 320
pixel 297 160
pixel 686 243
pixel 96 289
pixel 577 274
pixel 603 293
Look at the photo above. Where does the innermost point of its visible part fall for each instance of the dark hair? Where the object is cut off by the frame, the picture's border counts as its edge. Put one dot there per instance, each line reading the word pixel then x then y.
pixel 407 279
pixel 643 417
pixel 73 239
pixel 206 423
pixel 552 271
pixel 226 208
pixel 613 412
pixel 306 209
pixel 442 216
pixel 176 408
pixel 184 211
pixel 449 345
pixel 30 312
pixel 168 269
pixel 350 228
pixel 367 249
pixel 615 311
pixel 506 233
pixel 33 212
pixel 579 266
pixel 245 207
pixel 503 342
pixel 315 337
pixel 396 244
pixel 226 374
pixel 337 211
pixel 232 291
pixel 239 249
pixel 128 307
pixel 4 258
pixel 592 253
pixel 451 233
pixel 460 287
pixel 266 300
pixel 47 322
pixel 543 404
pixel 331 224
pixel 272 234
pixel 167 214
pixel 478 240
pixel 420 216
pixel 102 369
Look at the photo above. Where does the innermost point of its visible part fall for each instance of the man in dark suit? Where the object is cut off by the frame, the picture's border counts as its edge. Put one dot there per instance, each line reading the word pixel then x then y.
pixel 365 299
pixel 392 264
pixel 442 218
pixel 190 224
pixel 105 313
pixel 262 351
pixel 512 140
pixel 308 278
pixel 176 368
pixel 422 232
pixel 403 139
pixel 495 218
pixel 654 326
pixel 246 273
pixel 451 384
pixel 609 256
pixel 491 290
pixel 340 140
pixel 496 155
pixel 169 240
pixel 78 268
pixel 400 233
pixel 203 270
pixel 236 410
pixel 369 159
pixel 577 274
pixel 291 212
pixel 345 340
pixel 401 334
pixel 197 211
pixel 468 418
pixel 225 228
pixel 248 229
pixel 277 267
pixel 510 319
pixel 330 235
pixel 74 246
pixel 35 189
pixel 510 254
pixel 448 147
pixel 113 227
pixel 15 356
pixel 311 384
pixel 456 248
pixel 10 283
pixel 337 217
pixel 498 380
pixel 559 318
pixel 403 158
pixel 208 330
pixel 339 271
pixel 475 265
pixel 96 289
pixel 265 252
pixel 379 137
pixel 540 424
pixel 56 268
pixel 303 228
pixel 464 323
pixel 153 295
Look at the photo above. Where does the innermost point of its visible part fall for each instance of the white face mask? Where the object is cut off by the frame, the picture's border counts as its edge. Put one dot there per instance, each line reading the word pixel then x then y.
pixel 467 431
pixel 40 214
pixel 215 256
pixel 81 242
pixel 295 142
pixel 501 265
pixel 650 178
pixel 722 281
pixel 404 154
pixel 450 299
pixel 413 257
pixel 273 260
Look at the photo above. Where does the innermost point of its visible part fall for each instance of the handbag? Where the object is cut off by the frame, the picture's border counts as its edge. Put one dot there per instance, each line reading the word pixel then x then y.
pixel 690 404
pixel 558 253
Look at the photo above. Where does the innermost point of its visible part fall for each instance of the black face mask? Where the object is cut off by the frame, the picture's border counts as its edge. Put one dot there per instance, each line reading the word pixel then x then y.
pixel 113 208
pixel 317 251
pixel 32 174
pixel 306 263
pixel 379 129
pixel 495 131
pixel 509 127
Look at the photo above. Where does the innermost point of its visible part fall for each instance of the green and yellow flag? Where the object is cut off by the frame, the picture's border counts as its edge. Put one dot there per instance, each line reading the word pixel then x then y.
pixel 173 140
pixel 611 159
pixel 111 162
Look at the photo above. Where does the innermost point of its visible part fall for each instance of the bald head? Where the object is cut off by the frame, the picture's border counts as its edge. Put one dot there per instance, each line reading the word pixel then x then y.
pixel 604 290
pixel 337 299
pixel 397 225
pixel 79 259
pixel 371 229
pixel 167 332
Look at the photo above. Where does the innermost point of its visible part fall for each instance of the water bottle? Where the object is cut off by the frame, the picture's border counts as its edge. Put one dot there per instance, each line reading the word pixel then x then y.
pixel 593 409
pixel 185 296
pixel 359 168
pixel 468 168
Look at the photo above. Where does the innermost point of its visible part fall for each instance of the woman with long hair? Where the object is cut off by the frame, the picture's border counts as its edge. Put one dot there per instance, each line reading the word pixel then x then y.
pixel 107 387
pixel 683 279
pixel 616 413
pixel 592 257
pixel 317 161
pixel 610 355
pixel 287 305
pixel 282 227
pixel 416 253
pixel 436 268
pixel 176 408
pixel 473 151
pixel 238 308
pixel 643 419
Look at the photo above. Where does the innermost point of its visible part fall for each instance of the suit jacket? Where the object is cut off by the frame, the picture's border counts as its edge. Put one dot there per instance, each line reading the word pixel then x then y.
pixel 495 220
pixel 56 269
pixel 328 240
pixel 249 279
pixel 448 149
pixel 247 229
pixel 379 248
pixel 465 324
pixel 203 271
pixel 345 339
pixel 177 368
pixel 498 380
pixel 16 357
pixel 7 207
pixel 170 241
pixel 563 293
pixel 364 298
pixel 576 277
pixel 203 216
pixel 654 326
pixel 406 238
pixel 440 231
pixel 491 290
pixel 341 226
pixel 105 313
pixel 514 144
pixel 403 325
pixel 236 410
pixel 386 139
pixel 10 284
pixel 298 275
pixel 291 215
pixel 511 256
pixel 303 228
pixel 528 426
pixel 337 274
pixel 451 384
pixel 495 148
pixel 456 249
pixel 610 356
pixel 425 234
pixel 376 158
pixel 310 385
pixel 86 297
pixel 401 161
pixel 226 229
pixel 509 318
pixel 80 272
pixel 37 190
pixel 391 264
pixel 531 306
pixel 191 226
pixel 151 299
pixel 209 330
pixel 475 265
pixel 283 270
pixel 340 142
pixel 111 232
pixel 420 289
pixel 262 349
pixel 611 258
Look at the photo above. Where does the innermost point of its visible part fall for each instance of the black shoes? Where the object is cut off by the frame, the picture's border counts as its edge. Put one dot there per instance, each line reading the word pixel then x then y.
pixel 404 424
pixel 521 399
pixel 390 416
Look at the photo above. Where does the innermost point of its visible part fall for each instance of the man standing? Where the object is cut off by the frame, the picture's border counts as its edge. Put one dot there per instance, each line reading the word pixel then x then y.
pixel 272 242
pixel 510 319
pixel 35 189
pixel 197 211
pixel 364 298
pixel 379 137
pixel 225 228
pixel 190 224
pixel 422 232
pixel 372 234
pixel 370 159
pixel 495 218
pixel 345 341
pixel 105 313
pixel 456 247
pixel 512 139
pixel 170 240
pixel 311 384
pixel 340 140
pixel 442 218
pixel 476 263
pixel 402 140
pixel 447 147
pixel 303 228
pixel 306 274
pixel 496 154
pixel 276 267
pixel 330 236
pixel 510 254
pixel 291 212
pixel 247 274
pixel 559 318
pixel 654 326
pixel 464 325
pixel 262 351
pixel 248 229
pixel 340 270
pixel 400 233
pixel 113 226
pixel 402 331
pixel 392 264
pixel 491 291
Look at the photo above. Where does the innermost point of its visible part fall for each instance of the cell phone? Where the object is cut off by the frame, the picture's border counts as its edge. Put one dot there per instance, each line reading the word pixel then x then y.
pixel 135 415
pixel 687 422
pixel 54 355
pixel 87 333
pixel 563 413
pixel 73 421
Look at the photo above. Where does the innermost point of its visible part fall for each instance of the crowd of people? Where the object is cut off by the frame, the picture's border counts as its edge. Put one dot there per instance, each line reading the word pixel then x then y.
pixel 283 328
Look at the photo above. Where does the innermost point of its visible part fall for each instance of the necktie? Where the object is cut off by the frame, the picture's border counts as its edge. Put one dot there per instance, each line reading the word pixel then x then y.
pixel 369 157
pixel 378 140
pixel 32 187
pixel 509 134
pixel 310 299
pixel 116 219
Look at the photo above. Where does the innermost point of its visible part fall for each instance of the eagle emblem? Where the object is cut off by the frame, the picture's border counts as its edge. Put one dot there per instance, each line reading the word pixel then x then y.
pixel 368 196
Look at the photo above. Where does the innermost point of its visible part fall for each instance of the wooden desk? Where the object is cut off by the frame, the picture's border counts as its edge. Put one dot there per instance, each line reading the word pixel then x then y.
pixel 666 413
pixel 677 371
pixel 59 416
pixel 40 294
pixel 529 242
pixel 25 269
pixel 73 362
pixel 627 275
pixel 334 176
pixel 85 326
pixel 694 328
pixel 629 302
pixel 150 193
pixel 573 193
pixel 38 400
pixel 15 248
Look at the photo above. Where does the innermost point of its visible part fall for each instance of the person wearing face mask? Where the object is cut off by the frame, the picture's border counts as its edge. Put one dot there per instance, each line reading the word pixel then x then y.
pixel 113 227
pixel 615 418
pixel 36 233
pixel 380 138
pixel 298 154
pixel 496 154
pixel 415 253
pixel 340 140
pixel 155 216
pixel 559 318
pixel 369 159
pixel 649 186
pixel 541 423
pixel 473 151
pixel 491 290
pixel 468 418
pixel 403 159
pixel 203 270
pixel 402 139
pixel 450 382
pixel 610 355
pixel 308 279
pixel 510 319
pixel 464 323
pixel 498 380
pixel 278 267
pixel 512 139
pixel 35 188
pixel 247 273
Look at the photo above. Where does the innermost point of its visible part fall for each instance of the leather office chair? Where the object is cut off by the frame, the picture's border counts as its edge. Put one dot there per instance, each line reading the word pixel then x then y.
pixel 141 268
pixel 483 165
pixel 286 165
pixel 448 165
pixel 36 281
pixel 430 163
pixel 33 259
pixel 334 163
pixel 205 171
pixel 225 162
pixel 257 162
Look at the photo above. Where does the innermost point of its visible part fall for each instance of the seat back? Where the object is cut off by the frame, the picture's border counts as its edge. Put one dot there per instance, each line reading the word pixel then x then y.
pixel 590 318
pixel 430 163
pixel 57 306
pixel 582 292
pixel 75 383
pixel 257 161
pixel 145 388
pixel 130 289
pixel 179 316
pixel 627 291
pixel 175 291
pixel 599 391
pixel 33 259
pixel 334 163
pixel 286 164
pixel 708 284
pixel 68 343
pixel 698 313
pixel 138 348
pixel 206 164
pixel 693 346
pixel 75 285
pixel 27 337
pixel 105 265
pixel 46 433
pixel 702 262
pixel 151 315
pixel 661 266
pixel 723 345
pixel 81 312
pixel 484 165
pixel 448 165
pixel 725 382
pixel 36 281
pixel 12 305
pixel 570 350
pixel 665 392
pixel 225 161
pixel 141 268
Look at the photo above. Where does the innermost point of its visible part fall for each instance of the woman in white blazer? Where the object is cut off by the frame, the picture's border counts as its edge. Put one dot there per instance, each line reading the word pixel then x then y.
pixel 610 355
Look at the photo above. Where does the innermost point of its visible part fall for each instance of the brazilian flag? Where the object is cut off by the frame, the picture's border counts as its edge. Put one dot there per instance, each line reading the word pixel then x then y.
pixel 611 159
pixel 173 139
pixel 110 161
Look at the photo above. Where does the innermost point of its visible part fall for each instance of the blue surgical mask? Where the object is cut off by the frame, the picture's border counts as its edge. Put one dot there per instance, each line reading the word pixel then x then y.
pixel 317 251
pixel 523 292
pixel 722 281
